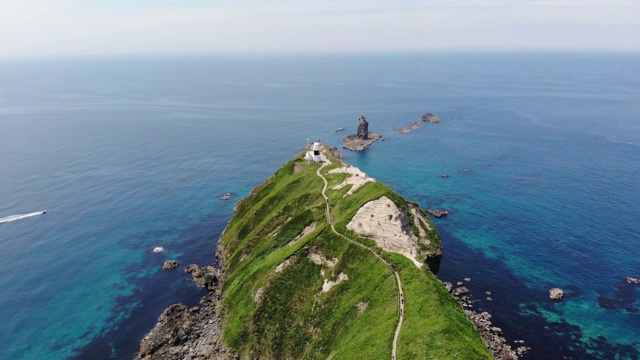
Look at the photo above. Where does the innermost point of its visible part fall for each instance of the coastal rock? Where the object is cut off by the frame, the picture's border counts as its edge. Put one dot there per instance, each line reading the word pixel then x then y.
pixel 226 196
pixel 556 294
pixel 185 333
pixel 437 213
pixel 170 264
pixel 171 329
pixel 430 118
pixel 353 143
pixel 362 139
pixel 491 335
pixel 631 280
pixel 335 152
pixel 401 130
pixel 363 128
pixel 206 277
pixel 460 290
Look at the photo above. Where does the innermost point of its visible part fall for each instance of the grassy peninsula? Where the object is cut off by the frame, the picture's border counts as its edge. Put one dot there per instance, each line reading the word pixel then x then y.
pixel 293 287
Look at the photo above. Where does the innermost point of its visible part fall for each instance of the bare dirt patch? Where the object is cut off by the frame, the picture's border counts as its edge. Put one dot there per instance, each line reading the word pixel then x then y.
pixel 362 306
pixel 382 221
pixel 319 259
pixel 357 178
pixel 328 284
pixel 285 264
pixel 258 295
pixel 306 231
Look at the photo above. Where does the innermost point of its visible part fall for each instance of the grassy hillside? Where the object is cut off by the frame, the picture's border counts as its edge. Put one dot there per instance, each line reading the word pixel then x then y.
pixel 280 259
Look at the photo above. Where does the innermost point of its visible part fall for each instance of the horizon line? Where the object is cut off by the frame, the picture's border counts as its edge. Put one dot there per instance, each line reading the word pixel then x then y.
pixel 284 54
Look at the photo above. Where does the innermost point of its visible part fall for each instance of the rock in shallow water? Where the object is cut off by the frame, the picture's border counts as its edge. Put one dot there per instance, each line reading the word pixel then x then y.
pixel 170 264
pixel 556 294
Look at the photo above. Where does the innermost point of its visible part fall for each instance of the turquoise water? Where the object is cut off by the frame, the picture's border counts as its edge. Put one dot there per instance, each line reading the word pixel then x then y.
pixel 128 154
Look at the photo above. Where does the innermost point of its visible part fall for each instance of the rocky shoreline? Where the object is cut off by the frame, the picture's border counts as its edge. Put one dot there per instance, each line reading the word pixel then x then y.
pixel 194 333
pixel 491 335
pixel 189 333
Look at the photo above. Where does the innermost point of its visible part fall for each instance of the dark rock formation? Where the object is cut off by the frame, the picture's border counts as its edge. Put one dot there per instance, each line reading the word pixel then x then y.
pixel 170 264
pixel 437 213
pixel 363 128
pixel 362 139
pixel 185 333
pixel 336 153
pixel 430 118
pixel 206 277
pixel 556 294
pixel 189 333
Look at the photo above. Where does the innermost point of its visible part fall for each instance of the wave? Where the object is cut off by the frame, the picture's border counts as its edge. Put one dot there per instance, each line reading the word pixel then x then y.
pixel 21 216
pixel 614 139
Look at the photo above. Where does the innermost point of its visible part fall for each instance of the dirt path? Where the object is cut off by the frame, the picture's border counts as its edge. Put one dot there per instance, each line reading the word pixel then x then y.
pixel 400 293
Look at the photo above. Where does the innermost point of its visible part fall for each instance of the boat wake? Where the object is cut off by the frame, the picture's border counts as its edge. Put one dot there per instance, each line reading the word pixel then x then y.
pixel 21 216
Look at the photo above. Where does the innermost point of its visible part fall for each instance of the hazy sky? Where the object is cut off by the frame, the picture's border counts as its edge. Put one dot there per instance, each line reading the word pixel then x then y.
pixel 79 27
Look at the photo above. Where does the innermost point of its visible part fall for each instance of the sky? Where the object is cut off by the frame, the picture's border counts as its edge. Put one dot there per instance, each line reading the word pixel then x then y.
pixel 115 27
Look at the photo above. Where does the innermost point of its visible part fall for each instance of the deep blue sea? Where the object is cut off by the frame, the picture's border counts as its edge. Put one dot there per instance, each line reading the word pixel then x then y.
pixel 127 154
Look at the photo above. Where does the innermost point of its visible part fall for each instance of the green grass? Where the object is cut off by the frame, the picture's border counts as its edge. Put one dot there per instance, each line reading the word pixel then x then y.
pixel 293 318
pixel 435 326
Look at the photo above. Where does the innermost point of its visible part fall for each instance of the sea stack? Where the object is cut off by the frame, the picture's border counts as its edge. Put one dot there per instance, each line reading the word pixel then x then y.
pixel 363 128
pixel 363 138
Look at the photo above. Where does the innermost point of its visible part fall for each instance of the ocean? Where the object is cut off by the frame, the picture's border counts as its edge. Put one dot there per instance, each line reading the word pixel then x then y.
pixel 130 153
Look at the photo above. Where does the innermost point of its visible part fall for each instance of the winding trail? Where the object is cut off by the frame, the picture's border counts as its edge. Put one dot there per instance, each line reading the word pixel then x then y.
pixel 400 292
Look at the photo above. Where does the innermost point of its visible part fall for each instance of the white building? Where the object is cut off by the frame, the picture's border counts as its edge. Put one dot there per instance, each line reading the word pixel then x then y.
pixel 313 154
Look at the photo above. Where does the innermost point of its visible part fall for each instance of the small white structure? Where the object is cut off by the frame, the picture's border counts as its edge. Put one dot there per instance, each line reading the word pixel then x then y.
pixel 313 154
